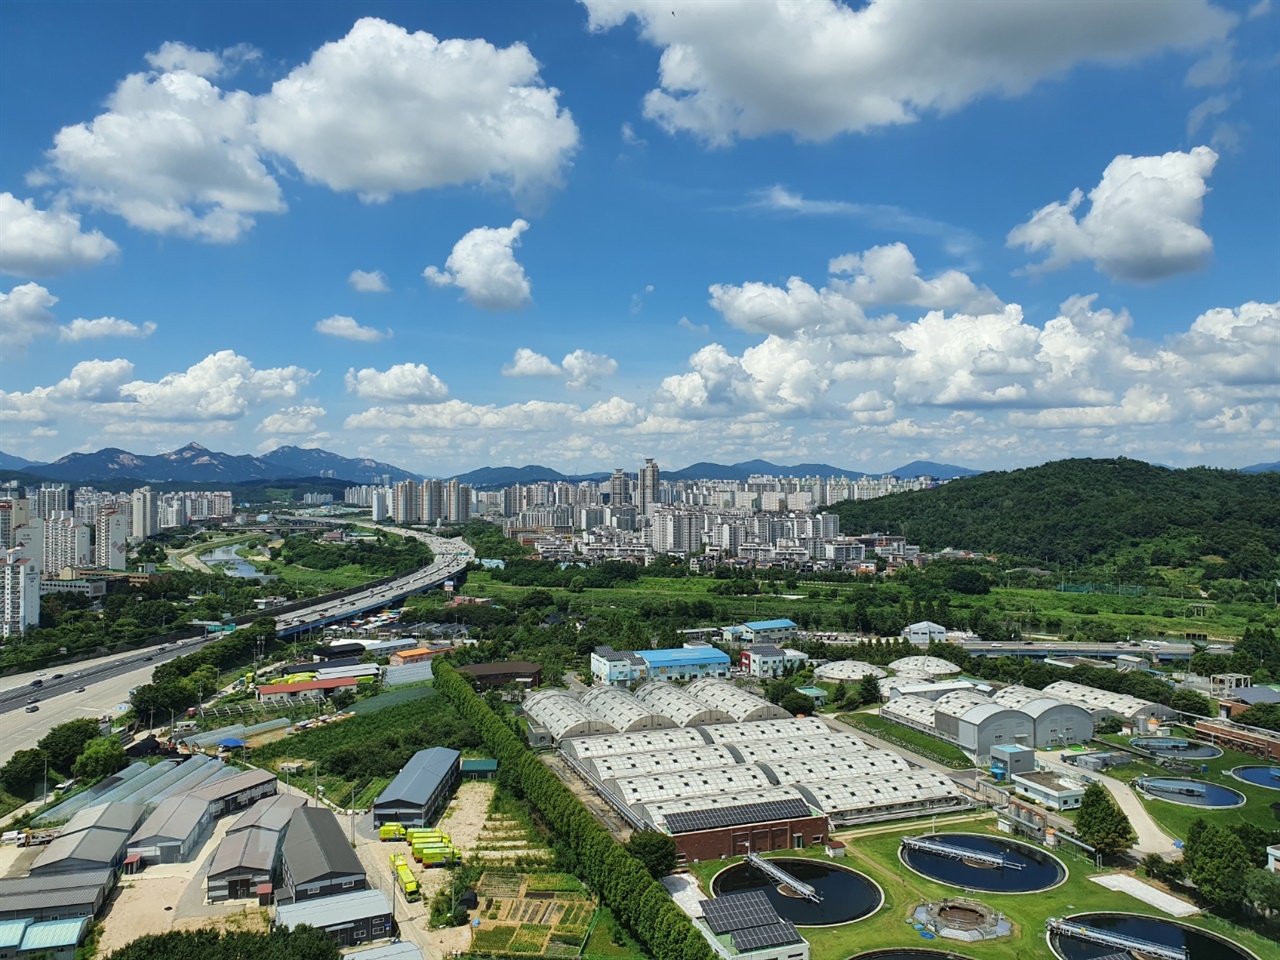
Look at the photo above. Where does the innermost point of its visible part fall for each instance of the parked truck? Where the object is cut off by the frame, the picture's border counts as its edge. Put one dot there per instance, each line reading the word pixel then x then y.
pixel 435 854
pixel 404 877
pixel 391 831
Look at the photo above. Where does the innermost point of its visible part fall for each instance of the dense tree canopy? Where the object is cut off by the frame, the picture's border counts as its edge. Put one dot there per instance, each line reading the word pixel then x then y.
pixel 655 850
pixel 67 740
pixel 300 943
pixel 1102 824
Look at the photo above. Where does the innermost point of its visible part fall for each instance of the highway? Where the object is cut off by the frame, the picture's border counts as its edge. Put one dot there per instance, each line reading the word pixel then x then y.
pixel 107 681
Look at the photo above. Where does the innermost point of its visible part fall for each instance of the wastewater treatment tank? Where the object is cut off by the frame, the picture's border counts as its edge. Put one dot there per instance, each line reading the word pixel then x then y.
pixel 1176 747
pixel 908 953
pixel 1199 944
pixel 1193 793
pixel 999 865
pixel 1268 777
pixel 846 894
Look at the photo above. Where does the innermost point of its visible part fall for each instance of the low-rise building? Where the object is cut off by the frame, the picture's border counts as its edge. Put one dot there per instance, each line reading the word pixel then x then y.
pixel 502 672
pixel 685 663
pixel 174 832
pixel 39 897
pixel 318 860
pixel 1049 789
pixel 925 632
pixel 766 631
pixel 617 668
pixel 277 694
pixel 420 790
pixel 42 940
pixel 351 918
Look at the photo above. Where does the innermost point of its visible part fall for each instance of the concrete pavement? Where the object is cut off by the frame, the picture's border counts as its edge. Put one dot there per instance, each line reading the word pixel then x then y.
pixel 1151 838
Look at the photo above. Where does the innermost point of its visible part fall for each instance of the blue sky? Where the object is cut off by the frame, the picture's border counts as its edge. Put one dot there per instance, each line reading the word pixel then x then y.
pixel 578 234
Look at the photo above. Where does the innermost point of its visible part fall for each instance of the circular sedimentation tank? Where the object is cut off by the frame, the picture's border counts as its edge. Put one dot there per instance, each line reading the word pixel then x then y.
pixel 846 894
pixel 1200 944
pixel 1192 793
pixel 1268 777
pixel 1031 870
pixel 1176 747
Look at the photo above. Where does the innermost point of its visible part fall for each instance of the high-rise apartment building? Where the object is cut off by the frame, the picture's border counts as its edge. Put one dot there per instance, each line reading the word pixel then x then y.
pixel 14 513
pixel 434 504
pixel 52 498
pixel 457 502
pixel 647 490
pixel 618 489
pixel 66 544
pixel 19 593
pixel 146 517
pixel 111 551
pixel 406 502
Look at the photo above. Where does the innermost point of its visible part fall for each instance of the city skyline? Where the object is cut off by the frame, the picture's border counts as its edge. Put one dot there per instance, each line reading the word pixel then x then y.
pixel 581 235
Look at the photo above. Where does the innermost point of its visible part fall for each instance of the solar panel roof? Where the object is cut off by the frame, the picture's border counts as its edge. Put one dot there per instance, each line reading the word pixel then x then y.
pixel 771 935
pixel 738 911
pixel 731 816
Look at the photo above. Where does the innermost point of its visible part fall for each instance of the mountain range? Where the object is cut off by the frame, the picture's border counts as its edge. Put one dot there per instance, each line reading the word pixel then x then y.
pixel 197 464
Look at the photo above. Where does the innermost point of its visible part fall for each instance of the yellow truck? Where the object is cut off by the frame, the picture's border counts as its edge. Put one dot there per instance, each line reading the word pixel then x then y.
pixel 404 877
pixel 391 831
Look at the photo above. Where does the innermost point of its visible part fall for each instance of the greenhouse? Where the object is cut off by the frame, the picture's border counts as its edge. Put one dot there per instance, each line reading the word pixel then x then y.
pixel 624 711
pixel 926 666
pixel 662 761
pixel 562 715
pixel 683 709
pixel 847 671
pixel 616 744
pixel 738 703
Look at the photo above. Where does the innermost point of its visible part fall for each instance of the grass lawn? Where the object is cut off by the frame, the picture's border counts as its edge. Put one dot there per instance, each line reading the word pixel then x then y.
pixel 351 575
pixel 1176 818
pixel 914 740
pixel 876 855
pixel 608 939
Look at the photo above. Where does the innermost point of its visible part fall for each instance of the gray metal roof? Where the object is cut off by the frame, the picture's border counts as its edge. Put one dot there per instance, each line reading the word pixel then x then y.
pixel 333 911
pixel 253 849
pixel 420 777
pixel 14 886
pixel 177 818
pixel 315 847
pixel 33 894
pixel 122 817
pixel 229 786
pixel 389 951
pixel 95 845
pixel 270 813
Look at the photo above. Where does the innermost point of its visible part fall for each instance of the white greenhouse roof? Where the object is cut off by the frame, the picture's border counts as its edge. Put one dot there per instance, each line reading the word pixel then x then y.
pixel 563 715
pixel 767 751
pixel 1095 699
pixel 929 666
pixel 735 701
pixel 662 761
pixel 915 710
pixel 960 702
pixel 624 711
pixel 684 709
pixel 872 764
pixel 736 780
pixel 847 670
pixel 787 727
pixel 643 741
pixel 857 794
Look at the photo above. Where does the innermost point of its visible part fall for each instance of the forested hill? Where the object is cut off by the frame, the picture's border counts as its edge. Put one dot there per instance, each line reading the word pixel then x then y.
pixel 1082 511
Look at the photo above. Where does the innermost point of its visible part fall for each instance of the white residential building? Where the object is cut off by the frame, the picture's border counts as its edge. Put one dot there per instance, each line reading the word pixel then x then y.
pixel 20 582
pixel 111 551
pixel 66 543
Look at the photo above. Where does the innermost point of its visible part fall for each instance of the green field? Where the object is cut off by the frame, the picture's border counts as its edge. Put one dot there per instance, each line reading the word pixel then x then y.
pixel 929 747
pixel 1032 611
pixel 875 853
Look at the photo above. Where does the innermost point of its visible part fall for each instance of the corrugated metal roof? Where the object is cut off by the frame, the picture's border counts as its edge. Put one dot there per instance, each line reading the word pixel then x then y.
pixel 228 786
pixel 270 813
pixel 390 951
pixel 93 846
pixel 86 879
pixel 177 818
pixel 334 911
pixel 316 847
pixel 11 932
pixel 479 766
pixel 253 849
pixel 53 934
pixel 682 657
pixel 122 817
pixel 420 777
pixel 769 625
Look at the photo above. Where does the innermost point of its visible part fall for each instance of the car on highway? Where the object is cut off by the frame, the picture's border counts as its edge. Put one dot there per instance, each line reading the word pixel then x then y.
pixel 146 659
pixel 80 689
pixel 32 708
pixel 33 699
pixel 57 676
pixel 37 683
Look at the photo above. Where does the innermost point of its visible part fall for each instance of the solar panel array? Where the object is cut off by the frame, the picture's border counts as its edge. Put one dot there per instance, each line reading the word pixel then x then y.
pixel 731 816
pixel 738 911
pixel 758 938
pixel 750 921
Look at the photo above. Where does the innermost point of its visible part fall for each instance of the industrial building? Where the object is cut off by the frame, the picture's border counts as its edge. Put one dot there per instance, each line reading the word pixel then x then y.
pixel 752 928
pixel 846 671
pixel 174 832
pixel 767 661
pixel 240 791
pixel 45 940
pixel 282 694
pixel 420 790
pixel 499 674
pixel 1104 703
pixel 762 631
pixel 318 860
pixel 772 784
pixel 350 918
pixel 40 898
pixel 91 840
pixel 623 668
pixel 1056 722
pixel 976 724
pixel 924 666
pixel 925 632
pixel 246 860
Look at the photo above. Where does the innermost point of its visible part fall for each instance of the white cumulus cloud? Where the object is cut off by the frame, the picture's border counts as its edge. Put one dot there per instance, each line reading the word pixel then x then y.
pixel 484 267
pixel 432 112
pixel 346 328
pixel 530 363
pixel 81 329
pixel 24 315
pixel 368 281
pixel 222 386
pixel 583 369
pixel 889 275
pixel 292 420
pixel 1143 221
pixel 817 68
pixel 404 382
pixel 41 243
pixel 174 56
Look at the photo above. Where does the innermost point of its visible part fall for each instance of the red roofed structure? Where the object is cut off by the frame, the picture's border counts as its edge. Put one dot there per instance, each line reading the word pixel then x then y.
pixel 308 689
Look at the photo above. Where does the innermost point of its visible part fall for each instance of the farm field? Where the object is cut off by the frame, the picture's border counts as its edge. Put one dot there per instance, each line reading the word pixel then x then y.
pixel 539 913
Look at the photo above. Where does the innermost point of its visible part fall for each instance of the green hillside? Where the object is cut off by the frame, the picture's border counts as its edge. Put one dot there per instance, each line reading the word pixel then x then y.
pixel 1092 512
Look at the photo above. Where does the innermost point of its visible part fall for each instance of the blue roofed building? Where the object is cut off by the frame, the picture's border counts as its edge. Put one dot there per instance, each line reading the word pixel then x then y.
pixel 48 940
pixel 687 663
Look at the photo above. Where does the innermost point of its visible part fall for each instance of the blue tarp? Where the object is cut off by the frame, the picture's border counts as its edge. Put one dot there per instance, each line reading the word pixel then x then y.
pixel 231 742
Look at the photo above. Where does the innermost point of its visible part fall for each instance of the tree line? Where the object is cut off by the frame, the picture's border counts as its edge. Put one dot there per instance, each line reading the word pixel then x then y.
pixel 623 882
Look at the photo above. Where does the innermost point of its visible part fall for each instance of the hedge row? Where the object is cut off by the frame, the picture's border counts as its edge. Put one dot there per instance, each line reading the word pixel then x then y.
pixel 624 884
